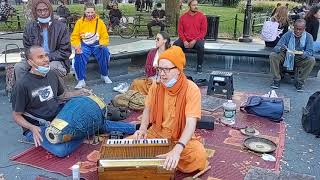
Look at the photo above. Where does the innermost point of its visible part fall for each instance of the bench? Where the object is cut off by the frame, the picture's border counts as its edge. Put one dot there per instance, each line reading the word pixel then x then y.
pixel 13 19
pixel 258 21
pixel 142 20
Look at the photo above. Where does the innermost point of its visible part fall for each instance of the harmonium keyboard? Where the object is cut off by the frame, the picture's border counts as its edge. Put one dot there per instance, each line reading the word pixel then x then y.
pixel 132 159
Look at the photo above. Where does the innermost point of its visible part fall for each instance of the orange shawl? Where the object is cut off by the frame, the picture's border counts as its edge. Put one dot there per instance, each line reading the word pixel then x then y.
pixel 156 115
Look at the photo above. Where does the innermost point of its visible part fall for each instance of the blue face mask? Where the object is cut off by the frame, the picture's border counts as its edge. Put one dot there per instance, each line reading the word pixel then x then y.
pixel 171 83
pixel 43 70
pixel 44 20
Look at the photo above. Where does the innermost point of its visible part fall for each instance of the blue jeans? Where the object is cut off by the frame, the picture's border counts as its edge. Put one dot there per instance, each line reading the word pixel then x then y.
pixel 101 54
pixel 64 149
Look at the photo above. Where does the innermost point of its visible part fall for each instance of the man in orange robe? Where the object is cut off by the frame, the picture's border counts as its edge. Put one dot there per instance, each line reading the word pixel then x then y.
pixel 173 106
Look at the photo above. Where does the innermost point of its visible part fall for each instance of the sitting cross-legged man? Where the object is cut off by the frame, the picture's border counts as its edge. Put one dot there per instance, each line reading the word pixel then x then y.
pixel 157 19
pixel 173 107
pixel 294 49
pixel 36 104
pixel 90 37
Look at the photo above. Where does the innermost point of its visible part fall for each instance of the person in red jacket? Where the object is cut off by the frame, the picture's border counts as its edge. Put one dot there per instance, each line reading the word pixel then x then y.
pixel 192 28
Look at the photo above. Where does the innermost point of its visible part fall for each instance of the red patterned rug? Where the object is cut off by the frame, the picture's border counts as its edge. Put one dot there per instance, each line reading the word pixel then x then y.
pixel 228 159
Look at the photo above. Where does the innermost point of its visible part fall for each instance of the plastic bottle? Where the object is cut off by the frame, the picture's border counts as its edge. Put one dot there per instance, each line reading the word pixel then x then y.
pixel 229 112
pixel 75 172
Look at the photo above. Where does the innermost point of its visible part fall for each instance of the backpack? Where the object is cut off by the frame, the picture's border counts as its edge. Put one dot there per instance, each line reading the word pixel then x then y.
pixel 270 31
pixel 311 115
pixel 131 99
pixel 271 108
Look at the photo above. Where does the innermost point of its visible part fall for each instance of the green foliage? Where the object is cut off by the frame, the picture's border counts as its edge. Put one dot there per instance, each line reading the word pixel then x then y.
pixel 226 25
pixel 264 6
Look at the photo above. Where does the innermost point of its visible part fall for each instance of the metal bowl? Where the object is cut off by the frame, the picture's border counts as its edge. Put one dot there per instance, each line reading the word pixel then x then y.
pixel 260 145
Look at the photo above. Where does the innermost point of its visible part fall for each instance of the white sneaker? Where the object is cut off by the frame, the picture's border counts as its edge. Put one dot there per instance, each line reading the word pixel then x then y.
pixel 106 79
pixel 120 86
pixel 81 84
pixel 124 89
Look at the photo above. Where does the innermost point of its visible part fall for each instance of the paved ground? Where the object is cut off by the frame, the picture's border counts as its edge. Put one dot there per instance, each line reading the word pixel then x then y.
pixel 301 150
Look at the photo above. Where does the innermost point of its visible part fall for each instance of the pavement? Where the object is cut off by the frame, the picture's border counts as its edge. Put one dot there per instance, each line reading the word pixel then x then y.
pixel 302 150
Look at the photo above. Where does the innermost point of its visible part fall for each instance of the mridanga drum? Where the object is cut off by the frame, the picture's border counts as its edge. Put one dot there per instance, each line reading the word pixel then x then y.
pixel 80 117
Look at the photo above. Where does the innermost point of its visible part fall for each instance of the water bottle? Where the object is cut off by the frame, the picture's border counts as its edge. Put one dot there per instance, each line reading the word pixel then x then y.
pixel 229 112
pixel 75 172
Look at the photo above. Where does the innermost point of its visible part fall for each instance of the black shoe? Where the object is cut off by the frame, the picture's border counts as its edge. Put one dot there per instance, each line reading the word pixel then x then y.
pixel 199 69
pixel 299 87
pixel 275 85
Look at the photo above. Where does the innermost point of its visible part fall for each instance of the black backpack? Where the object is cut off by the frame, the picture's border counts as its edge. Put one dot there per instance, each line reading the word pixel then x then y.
pixel 311 115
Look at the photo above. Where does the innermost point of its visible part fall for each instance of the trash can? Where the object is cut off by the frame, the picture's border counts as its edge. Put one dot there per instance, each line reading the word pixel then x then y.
pixel 213 28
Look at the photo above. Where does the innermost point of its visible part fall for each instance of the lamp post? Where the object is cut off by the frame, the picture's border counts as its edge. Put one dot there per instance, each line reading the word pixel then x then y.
pixel 246 23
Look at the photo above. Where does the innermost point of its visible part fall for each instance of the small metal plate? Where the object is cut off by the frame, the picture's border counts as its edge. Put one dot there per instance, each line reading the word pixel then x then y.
pixel 258 144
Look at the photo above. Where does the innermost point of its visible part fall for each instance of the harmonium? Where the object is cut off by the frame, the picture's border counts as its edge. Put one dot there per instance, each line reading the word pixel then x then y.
pixel 132 159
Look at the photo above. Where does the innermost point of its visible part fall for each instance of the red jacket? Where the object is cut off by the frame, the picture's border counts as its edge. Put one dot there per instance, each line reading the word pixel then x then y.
pixel 149 69
pixel 192 27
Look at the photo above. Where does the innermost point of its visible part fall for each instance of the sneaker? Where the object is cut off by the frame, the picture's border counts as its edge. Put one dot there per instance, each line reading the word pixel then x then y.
pixel 199 69
pixel 124 89
pixel 106 79
pixel 275 85
pixel 299 87
pixel 81 84
pixel 120 86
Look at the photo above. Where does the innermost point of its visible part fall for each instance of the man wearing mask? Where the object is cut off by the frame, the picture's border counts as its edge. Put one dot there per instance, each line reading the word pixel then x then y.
pixel 50 34
pixel 36 102
pixel 192 28
pixel 173 106
pixel 158 18
pixel 294 49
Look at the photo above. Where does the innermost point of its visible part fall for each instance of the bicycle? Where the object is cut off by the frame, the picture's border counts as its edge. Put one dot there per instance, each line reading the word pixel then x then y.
pixel 126 28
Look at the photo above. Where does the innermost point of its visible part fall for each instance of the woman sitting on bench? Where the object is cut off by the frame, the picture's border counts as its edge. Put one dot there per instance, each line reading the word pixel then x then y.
pixel 90 36
pixel 143 84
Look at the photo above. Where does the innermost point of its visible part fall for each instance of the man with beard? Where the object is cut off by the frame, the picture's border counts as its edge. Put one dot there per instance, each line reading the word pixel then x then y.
pixel 192 28
pixel 50 34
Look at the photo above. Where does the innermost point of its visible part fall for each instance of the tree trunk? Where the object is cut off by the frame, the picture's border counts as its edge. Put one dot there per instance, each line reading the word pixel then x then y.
pixel 172 10
pixel 105 3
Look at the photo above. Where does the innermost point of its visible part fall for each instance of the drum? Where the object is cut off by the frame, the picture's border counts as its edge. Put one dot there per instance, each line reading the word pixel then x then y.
pixel 80 117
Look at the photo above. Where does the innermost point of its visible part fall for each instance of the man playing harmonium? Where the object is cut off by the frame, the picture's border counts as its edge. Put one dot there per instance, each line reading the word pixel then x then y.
pixel 173 106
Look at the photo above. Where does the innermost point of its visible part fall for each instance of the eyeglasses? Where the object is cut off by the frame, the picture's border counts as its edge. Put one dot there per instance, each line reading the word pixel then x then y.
pixel 157 39
pixel 165 70
pixel 42 10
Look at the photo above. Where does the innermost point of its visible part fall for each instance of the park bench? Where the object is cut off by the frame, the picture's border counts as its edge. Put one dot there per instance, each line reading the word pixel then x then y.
pixel 142 20
pixel 13 22
pixel 258 20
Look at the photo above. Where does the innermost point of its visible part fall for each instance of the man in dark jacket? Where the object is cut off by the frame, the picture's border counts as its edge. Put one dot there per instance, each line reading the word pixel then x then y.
pixel 50 34
pixel 157 19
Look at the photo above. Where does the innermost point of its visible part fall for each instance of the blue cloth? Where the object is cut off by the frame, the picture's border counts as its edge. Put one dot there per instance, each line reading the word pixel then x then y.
pixel 289 60
pixel 64 149
pixel 307 49
pixel 316 47
pixel 101 54
pixel 45 43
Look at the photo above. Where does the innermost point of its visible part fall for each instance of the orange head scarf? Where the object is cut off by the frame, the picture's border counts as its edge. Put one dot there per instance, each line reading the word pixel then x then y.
pixel 177 57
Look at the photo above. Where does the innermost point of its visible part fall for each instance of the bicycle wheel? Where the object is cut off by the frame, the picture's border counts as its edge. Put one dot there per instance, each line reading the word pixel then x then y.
pixel 126 31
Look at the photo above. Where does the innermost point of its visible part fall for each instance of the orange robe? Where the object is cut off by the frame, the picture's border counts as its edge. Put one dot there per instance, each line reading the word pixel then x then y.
pixel 194 156
pixel 141 85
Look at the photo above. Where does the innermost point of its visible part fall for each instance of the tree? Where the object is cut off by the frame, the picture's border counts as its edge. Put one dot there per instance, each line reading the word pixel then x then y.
pixel 105 3
pixel 172 10
pixel 27 10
